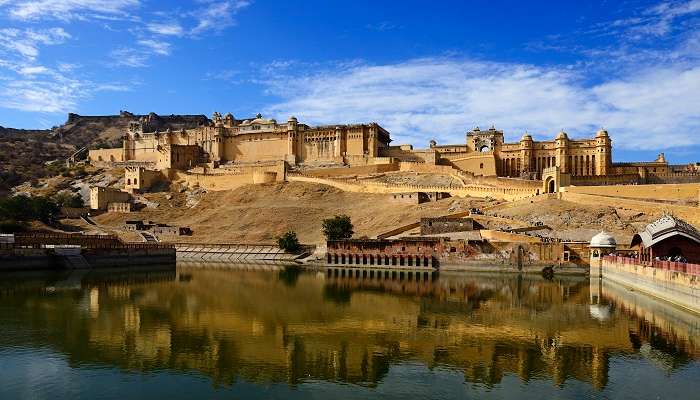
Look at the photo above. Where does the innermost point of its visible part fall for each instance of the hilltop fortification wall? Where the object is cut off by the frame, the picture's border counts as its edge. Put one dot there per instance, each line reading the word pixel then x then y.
pixel 670 192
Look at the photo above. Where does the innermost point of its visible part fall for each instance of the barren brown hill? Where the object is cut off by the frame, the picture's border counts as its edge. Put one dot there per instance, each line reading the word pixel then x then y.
pixel 260 213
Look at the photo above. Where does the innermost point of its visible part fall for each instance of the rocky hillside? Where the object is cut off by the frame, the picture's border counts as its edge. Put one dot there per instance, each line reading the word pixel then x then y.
pixel 27 155
pixel 107 130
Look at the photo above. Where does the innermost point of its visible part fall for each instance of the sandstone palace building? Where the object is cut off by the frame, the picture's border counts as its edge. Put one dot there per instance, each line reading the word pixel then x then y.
pixel 257 149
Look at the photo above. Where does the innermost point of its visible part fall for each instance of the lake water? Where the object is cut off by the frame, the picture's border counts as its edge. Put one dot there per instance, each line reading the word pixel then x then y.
pixel 254 333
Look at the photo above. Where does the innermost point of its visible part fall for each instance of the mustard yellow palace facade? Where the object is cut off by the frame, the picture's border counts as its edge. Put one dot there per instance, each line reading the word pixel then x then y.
pixel 226 140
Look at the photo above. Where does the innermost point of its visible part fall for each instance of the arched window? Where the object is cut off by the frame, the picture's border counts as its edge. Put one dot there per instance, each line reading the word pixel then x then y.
pixel 128 181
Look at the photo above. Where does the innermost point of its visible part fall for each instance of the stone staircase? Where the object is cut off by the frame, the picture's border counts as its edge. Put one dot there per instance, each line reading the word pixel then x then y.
pixel 76 261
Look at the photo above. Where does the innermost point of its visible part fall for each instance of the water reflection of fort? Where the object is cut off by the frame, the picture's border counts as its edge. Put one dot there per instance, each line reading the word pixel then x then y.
pixel 288 326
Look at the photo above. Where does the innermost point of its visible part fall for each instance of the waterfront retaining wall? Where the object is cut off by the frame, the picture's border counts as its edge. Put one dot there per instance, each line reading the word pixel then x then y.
pixel 679 288
pixel 234 253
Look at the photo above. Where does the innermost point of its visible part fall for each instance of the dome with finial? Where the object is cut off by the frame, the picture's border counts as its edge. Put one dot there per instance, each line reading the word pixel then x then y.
pixel 601 133
pixel 433 143
pixel 292 119
pixel 562 135
pixel 526 138
pixel 603 239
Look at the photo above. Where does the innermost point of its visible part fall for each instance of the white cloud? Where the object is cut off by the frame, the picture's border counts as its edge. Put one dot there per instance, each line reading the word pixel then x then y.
pixel 657 21
pixel 24 43
pixel 70 9
pixel 48 91
pixel 165 28
pixel 138 56
pixel 33 70
pixel 129 57
pixel 158 47
pixel 442 98
pixel 217 15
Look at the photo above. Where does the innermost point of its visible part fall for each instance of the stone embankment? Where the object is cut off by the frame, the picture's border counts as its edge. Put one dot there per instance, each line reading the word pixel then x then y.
pixel 676 283
pixel 45 251
pixel 236 253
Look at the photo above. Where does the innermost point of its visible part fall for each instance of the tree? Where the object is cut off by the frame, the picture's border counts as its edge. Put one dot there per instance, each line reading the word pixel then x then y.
pixel 289 242
pixel 25 208
pixel 66 199
pixel 337 228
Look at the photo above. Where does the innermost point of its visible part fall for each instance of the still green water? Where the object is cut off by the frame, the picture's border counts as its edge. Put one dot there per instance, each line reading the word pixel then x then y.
pixel 254 333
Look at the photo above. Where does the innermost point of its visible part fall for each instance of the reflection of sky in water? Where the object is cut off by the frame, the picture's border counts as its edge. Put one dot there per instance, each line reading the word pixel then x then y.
pixel 42 374
pixel 243 334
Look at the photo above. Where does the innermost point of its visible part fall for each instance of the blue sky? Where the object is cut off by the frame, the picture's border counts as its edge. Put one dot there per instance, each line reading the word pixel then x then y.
pixel 422 69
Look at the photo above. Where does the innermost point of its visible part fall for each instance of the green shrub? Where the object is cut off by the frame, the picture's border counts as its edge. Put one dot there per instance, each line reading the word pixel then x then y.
pixel 64 199
pixel 289 242
pixel 337 228
pixel 24 208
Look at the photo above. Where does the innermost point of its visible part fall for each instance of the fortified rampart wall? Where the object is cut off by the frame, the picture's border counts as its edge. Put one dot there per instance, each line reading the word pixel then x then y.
pixel 603 180
pixel 673 192
pixel 358 170
pixel 278 167
pixel 673 177
pixel 508 194
pixel 406 166
pixel 230 181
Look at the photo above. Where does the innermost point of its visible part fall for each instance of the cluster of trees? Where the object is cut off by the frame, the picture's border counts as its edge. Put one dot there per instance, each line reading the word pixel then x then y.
pixel 17 211
pixel 336 228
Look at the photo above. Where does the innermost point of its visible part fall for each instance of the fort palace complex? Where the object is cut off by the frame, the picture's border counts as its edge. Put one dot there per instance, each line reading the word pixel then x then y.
pixel 224 152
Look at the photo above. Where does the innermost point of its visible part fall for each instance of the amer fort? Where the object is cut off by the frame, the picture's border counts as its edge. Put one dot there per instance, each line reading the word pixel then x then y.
pixel 224 152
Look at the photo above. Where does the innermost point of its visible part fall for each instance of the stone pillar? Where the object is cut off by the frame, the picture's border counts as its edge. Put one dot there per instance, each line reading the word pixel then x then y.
pixel 338 139
pixel 372 140
pixel 562 150
pixel 526 153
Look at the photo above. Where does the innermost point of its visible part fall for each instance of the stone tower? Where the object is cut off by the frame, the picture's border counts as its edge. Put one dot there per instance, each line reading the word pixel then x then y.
pixel 603 152
pixel 292 140
pixel 561 144
pixel 526 145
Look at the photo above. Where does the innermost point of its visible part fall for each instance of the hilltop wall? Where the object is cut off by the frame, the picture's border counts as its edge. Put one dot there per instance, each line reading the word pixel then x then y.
pixel 351 185
pixel 673 192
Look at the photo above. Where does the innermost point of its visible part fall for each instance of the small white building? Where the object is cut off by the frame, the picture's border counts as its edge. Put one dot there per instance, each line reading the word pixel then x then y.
pixel 601 245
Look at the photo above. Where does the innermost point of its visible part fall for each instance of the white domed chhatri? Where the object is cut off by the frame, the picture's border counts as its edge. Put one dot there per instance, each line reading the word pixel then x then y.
pixel 603 239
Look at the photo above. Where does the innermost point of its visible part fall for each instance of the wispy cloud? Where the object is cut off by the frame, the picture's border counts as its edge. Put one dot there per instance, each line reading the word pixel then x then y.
pixel 443 98
pixel 25 43
pixel 140 53
pixel 70 9
pixel 217 15
pixel 129 57
pixel 172 28
pixel 156 46
pixel 650 23
pixel 46 90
